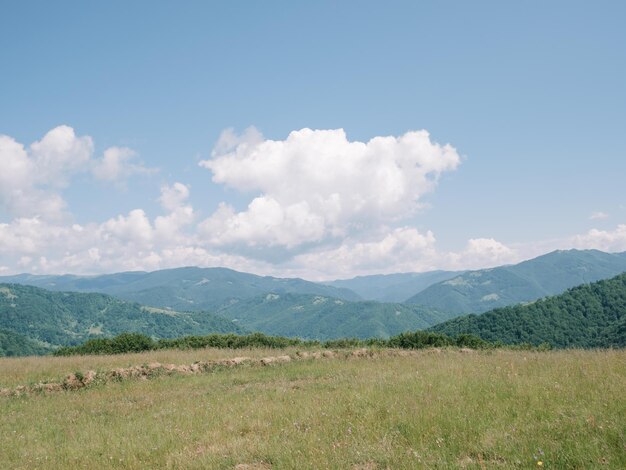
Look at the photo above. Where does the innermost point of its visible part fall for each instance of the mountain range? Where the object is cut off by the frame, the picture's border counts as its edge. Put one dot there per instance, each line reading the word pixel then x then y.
pixel 456 293
pixel 67 309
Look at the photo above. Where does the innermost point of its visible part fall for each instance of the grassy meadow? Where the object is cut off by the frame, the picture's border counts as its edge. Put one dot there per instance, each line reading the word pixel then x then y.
pixel 431 409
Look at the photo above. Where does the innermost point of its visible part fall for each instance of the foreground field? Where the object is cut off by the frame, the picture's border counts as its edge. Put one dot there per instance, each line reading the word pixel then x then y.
pixel 435 409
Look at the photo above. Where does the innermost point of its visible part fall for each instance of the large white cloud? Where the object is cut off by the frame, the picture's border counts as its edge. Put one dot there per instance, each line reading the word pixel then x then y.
pixel 317 185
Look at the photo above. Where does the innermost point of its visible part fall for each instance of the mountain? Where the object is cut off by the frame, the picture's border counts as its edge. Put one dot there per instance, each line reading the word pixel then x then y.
pixel 13 344
pixel 319 317
pixel 67 318
pixel 587 316
pixel 187 289
pixel 550 274
pixel 392 287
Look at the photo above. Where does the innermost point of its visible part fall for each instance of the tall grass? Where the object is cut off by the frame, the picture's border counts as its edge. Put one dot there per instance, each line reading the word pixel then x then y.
pixel 446 409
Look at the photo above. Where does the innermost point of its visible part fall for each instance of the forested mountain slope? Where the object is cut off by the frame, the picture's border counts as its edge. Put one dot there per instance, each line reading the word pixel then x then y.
pixel 319 317
pixel 550 274
pixel 13 344
pixel 67 318
pixel 587 316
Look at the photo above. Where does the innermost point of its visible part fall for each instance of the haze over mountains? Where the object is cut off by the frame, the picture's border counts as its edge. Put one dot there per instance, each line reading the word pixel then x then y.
pixel 393 287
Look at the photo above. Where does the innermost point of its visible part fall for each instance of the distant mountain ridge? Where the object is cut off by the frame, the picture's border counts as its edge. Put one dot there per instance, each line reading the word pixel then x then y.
pixel 550 274
pixel 392 287
pixel 587 316
pixel 457 293
pixel 53 319
pixel 318 317
pixel 188 289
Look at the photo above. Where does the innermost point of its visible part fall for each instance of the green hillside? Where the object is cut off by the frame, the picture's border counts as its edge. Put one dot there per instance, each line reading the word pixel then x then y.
pixel 587 316
pixel 188 289
pixel 319 317
pixel 392 287
pixel 68 318
pixel 13 344
pixel 550 274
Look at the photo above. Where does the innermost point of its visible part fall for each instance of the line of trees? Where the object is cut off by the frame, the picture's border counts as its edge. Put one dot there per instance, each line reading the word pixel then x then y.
pixel 135 342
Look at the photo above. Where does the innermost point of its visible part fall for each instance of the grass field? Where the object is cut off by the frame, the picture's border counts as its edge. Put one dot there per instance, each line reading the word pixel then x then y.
pixel 446 409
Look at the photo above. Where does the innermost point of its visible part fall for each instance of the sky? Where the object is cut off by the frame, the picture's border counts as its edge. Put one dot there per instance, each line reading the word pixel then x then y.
pixel 314 139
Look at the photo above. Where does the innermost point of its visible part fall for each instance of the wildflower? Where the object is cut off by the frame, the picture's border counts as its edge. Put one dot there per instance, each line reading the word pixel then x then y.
pixel 539 463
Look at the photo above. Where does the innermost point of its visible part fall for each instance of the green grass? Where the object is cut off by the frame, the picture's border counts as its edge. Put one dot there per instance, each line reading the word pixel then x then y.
pixel 497 409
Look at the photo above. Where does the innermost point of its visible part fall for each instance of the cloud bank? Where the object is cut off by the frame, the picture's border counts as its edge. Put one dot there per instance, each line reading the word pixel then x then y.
pixel 319 206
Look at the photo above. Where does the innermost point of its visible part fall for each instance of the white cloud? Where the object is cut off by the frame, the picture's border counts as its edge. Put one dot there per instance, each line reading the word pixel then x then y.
pixel 169 228
pixel 317 185
pixel 265 223
pixel 117 164
pixel 133 229
pixel 483 253
pixel 31 179
pixel 59 155
pixel 19 193
pixel 400 250
pixel 599 216
pixel 125 242
pixel 605 240
pixel 174 196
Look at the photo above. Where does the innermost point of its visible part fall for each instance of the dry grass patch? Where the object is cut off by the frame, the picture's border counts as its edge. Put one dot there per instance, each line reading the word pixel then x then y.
pixel 430 410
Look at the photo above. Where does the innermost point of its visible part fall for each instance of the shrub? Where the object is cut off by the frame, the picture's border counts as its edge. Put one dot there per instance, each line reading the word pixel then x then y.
pixel 135 342
pixel 471 341
pixel 419 339
pixel 123 343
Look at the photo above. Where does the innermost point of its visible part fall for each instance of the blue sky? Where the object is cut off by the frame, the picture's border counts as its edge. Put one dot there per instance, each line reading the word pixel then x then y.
pixel 530 95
